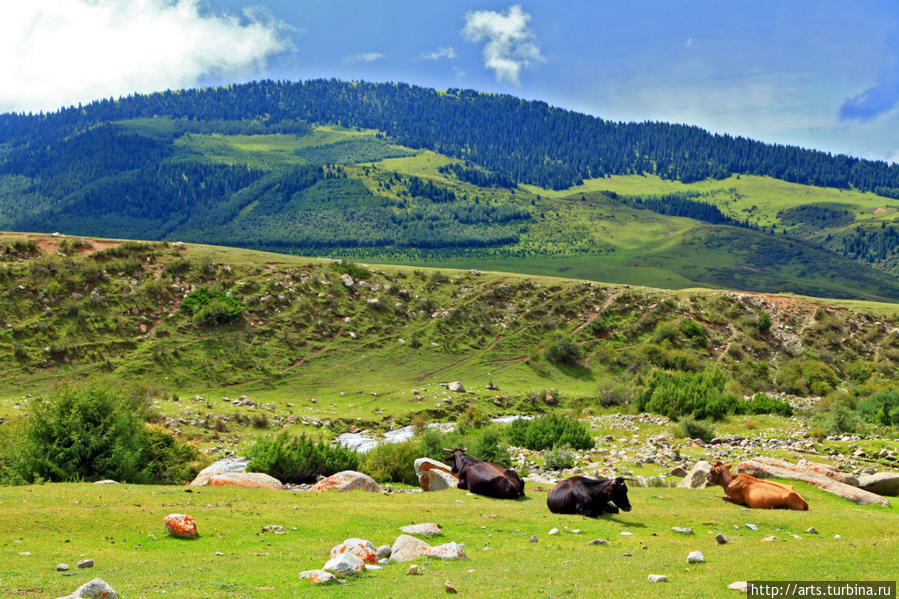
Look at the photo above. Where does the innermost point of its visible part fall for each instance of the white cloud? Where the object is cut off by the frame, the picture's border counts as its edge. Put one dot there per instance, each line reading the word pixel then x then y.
pixel 362 57
pixel 60 52
pixel 448 53
pixel 510 43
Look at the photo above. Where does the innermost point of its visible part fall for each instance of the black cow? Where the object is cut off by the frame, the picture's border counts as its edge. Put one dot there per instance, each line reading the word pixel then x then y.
pixel 588 496
pixel 485 478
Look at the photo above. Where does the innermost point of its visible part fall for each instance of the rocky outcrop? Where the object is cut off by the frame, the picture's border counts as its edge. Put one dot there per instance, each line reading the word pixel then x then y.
pixel 220 467
pixel 774 468
pixel 434 476
pixel 828 470
pixel 348 480
pixel 252 480
pixel 882 483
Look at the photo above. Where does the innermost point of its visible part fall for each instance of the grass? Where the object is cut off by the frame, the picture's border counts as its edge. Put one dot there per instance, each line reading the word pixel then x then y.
pixel 120 528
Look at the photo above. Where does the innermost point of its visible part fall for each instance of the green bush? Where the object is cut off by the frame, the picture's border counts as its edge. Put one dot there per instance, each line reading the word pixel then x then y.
pixel 807 375
pixel 558 458
pixel 765 404
pixel 696 429
pixel 298 459
pixel 880 408
pixel 486 443
pixel 546 432
pixel 95 432
pixel 838 419
pixel 563 351
pixel 675 394
pixel 212 306
pixel 392 462
pixel 764 322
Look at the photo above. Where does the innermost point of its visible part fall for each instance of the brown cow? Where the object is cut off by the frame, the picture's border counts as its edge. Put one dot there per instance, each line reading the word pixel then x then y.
pixel 750 491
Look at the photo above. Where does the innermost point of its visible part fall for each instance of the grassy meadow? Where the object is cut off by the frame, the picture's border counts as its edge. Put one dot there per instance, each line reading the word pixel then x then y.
pixel 120 528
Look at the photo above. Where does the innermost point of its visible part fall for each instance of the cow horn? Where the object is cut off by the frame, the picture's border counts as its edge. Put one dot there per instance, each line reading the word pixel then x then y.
pixel 627 478
pixel 447 449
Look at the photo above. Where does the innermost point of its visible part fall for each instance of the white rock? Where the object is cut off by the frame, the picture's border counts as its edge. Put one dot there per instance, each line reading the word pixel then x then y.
pixel 695 478
pixel 739 585
pixel 318 576
pixel 553 531
pixel 345 564
pixel 657 578
pixel 695 557
pixel 95 589
pixel 428 529
pixel 361 548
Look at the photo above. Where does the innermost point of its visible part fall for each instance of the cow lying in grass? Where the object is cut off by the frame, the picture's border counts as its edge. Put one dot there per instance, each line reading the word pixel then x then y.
pixel 485 478
pixel 743 489
pixel 588 496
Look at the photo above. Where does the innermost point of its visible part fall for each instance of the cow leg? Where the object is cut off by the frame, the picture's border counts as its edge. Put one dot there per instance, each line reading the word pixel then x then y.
pixel 586 510
pixel 463 481
pixel 611 509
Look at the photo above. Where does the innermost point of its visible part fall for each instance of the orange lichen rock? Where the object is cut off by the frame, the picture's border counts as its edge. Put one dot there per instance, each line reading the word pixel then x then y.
pixel 181 526
pixel 361 548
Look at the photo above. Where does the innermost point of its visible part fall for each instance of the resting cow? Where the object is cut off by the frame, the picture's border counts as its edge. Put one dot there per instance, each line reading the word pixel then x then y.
pixel 588 496
pixel 485 478
pixel 750 491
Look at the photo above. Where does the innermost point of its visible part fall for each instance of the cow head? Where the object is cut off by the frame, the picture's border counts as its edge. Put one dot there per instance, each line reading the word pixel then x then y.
pixel 617 492
pixel 454 459
pixel 719 474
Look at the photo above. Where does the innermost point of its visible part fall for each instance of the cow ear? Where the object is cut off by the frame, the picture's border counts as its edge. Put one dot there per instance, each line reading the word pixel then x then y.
pixel 730 466
pixel 718 463
pixel 608 489
pixel 619 481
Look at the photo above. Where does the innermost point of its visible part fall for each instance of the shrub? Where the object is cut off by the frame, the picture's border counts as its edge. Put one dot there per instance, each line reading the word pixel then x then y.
pixel 696 429
pixel 880 408
pixel 212 306
pixel 765 404
pixel 764 322
pixel 563 351
pixel 675 394
pixel 489 446
pixel 94 432
pixel 546 432
pixel 392 462
pixel 558 458
pixel 839 418
pixel 297 459
pixel 803 376
pixel 483 443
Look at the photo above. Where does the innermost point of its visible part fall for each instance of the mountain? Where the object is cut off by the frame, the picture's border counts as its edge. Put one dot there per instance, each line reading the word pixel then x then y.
pixel 401 174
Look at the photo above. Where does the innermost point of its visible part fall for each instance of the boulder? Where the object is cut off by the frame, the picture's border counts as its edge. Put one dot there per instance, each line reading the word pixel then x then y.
pixel 181 526
pixel 695 557
pixel 657 578
pixel 361 548
pixel 220 467
pixel 451 550
pixel 882 483
pixel 251 480
pixel 437 480
pixel 95 589
pixel 383 552
pixel 695 478
pixel 427 529
pixel 407 548
pixel 423 465
pixel 348 480
pixel 347 280
pixel 456 387
pixel 739 585
pixel 774 468
pixel 318 576
pixel 345 563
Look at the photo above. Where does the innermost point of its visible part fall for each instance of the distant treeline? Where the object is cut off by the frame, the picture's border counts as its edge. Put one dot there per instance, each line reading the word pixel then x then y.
pixel 524 141
pixel 477 176
pixel 871 244
pixel 684 204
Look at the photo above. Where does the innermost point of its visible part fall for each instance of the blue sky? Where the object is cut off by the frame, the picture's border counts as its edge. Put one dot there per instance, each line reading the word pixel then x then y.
pixel 820 74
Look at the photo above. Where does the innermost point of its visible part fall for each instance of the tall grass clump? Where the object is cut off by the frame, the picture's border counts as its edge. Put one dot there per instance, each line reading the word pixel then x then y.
pixel 552 430
pixel 95 432
pixel 299 459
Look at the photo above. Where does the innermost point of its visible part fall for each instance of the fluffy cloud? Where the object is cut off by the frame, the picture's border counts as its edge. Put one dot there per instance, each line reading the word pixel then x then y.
pixel 510 43
pixel 884 94
pixel 362 57
pixel 60 52
pixel 449 53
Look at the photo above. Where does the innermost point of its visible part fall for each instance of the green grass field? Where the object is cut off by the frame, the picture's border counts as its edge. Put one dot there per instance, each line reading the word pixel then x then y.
pixel 120 528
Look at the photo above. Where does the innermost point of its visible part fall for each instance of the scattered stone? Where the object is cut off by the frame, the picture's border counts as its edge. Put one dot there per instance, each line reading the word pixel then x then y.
pixel 348 480
pixel 598 542
pixel 533 539
pixel 428 529
pixel 657 578
pixel 62 567
pixel 273 528
pixel 361 548
pixel 413 570
pixel 449 588
pixel 347 280
pixel 752 527
pixel 318 576
pixel 626 533
pixel 722 540
pixel 695 479
pixel 456 386
pixel 86 563
pixel 739 585
pixel 219 553
pixel 345 563
pixel 383 552
pixel 106 482
pixel 695 557
pixel 408 548
pixel 882 483
pixel 811 530
pixel 553 531
pixel 95 589
pixel 837 537
pixel 686 531
pixel 373 567
pixel 575 531
pixel 181 526
pixel 770 539
pixel 677 471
